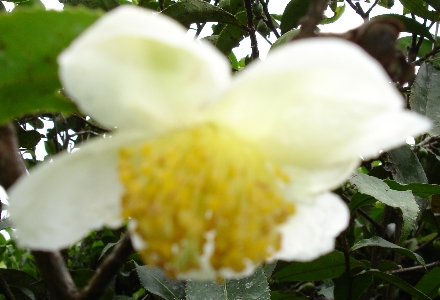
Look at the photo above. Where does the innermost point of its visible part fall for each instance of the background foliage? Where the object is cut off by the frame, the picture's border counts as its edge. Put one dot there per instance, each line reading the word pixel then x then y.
pixel 391 250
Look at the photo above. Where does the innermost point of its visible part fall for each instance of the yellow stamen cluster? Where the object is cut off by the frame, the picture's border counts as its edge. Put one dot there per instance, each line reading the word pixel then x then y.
pixel 181 187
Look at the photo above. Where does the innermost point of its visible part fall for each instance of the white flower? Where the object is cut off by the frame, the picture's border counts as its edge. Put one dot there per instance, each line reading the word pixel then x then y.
pixel 217 173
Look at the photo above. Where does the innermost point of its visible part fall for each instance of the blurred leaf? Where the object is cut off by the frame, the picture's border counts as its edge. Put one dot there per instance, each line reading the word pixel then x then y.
pixel 359 284
pixel 198 11
pixel 293 12
pixel 410 25
pixel 29 45
pixel 328 266
pixel 434 3
pixel 425 95
pixel 337 14
pixel 423 190
pixel 404 200
pixel 399 283
pixel 81 277
pixel 430 283
pixel 252 287
pixel 376 241
pixel 93 4
pixel 155 281
pixel 419 8
pixel 285 38
pixel 388 265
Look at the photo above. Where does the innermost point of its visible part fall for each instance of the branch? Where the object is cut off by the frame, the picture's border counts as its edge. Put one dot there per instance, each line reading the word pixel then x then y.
pixel 251 29
pixel 108 270
pixel 427 55
pixel 51 265
pixel 269 22
pixel 311 20
pixel 11 163
pixel 54 271
pixel 417 268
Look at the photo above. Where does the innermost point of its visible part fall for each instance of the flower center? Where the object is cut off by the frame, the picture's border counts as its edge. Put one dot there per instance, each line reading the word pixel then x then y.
pixel 202 186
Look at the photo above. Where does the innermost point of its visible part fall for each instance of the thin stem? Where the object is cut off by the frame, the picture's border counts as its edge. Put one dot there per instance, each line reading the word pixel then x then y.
pixel 251 29
pixel 434 51
pixel 108 270
pixel 417 268
pixel 269 22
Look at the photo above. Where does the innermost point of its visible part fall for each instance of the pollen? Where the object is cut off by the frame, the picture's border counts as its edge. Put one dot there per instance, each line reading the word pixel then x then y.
pixel 202 181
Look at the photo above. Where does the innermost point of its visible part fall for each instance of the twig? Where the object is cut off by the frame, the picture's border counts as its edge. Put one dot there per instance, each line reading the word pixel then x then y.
pixel 358 9
pixel 251 29
pixel 108 270
pixel 269 22
pixel 434 51
pixel 379 227
pixel 345 249
pixel 371 8
pixel 417 268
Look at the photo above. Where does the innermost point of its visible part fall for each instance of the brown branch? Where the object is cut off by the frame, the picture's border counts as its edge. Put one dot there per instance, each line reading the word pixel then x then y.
pixel 54 271
pixel 108 270
pixel 427 55
pixel 251 29
pixel 51 265
pixel 417 268
pixel 11 163
pixel 269 21
pixel 309 23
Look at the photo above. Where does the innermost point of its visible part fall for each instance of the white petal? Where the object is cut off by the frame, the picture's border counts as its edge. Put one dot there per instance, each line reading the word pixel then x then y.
pixel 63 200
pixel 308 182
pixel 318 102
pixel 312 230
pixel 136 68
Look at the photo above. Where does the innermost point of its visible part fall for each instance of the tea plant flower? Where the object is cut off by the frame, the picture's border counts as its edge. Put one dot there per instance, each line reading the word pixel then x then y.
pixel 215 173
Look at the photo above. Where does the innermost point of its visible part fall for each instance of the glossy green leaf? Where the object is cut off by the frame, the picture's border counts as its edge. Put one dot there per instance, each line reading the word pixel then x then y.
pixel 410 25
pixel 404 200
pixel 423 190
pixel 430 283
pixel 425 95
pixel 380 242
pixel 155 281
pixel 328 266
pixel 231 35
pixel 29 45
pixel 419 8
pixel 252 287
pixel 293 12
pixel 406 167
pixel 399 283
pixel 198 11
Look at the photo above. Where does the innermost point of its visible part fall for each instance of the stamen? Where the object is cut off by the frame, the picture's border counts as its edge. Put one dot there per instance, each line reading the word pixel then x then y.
pixel 181 186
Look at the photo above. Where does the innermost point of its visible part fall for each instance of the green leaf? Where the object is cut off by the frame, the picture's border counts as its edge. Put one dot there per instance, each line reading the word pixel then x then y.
pixel 199 11
pixel 425 95
pixel 406 41
pixel 337 14
pixel 434 3
pixel 29 46
pixel 423 190
pixel 430 283
pixel 406 166
pixel 419 8
pixel 358 200
pixel 155 281
pixel 410 25
pixel 27 138
pixel 376 241
pixel 328 266
pixel 399 283
pixel 285 38
pixel 93 4
pixel 231 35
pixel 293 12
pixel 404 200
pixel 252 287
